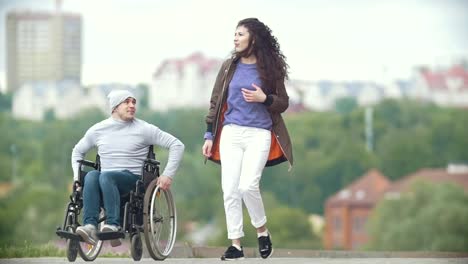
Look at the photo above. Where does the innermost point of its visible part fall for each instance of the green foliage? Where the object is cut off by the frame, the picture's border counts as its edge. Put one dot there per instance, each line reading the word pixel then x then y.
pixel 345 105
pixel 28 250
pixel 329 154
pixel 5 102
pixel 414 151
pixel 430 218
pixel 329 151
pixel 49 115
pixel 143 99
pixel 198 190
pixel 30 213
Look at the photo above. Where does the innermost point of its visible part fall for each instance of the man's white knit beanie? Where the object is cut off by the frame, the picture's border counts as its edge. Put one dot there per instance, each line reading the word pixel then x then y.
pixel 118 96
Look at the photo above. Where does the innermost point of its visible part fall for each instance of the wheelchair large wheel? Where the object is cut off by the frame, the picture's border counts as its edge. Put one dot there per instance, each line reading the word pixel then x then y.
pixel 160 221
pixel 90 252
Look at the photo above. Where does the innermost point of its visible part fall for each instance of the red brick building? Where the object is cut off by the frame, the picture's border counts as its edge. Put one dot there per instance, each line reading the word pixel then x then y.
pixel 347 211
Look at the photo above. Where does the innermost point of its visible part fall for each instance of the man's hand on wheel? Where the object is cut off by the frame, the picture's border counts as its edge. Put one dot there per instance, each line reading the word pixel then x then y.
pixel 164 182
pixel 77 186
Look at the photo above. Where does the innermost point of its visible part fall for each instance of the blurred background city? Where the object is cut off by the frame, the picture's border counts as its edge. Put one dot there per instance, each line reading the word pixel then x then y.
pixel 378 114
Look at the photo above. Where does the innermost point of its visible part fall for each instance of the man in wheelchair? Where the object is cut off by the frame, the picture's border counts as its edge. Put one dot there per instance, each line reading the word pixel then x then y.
pixel 122 143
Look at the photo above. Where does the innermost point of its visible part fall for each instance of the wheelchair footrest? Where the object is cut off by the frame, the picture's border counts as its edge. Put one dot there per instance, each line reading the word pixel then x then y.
pixel 110 235
pixel 68 235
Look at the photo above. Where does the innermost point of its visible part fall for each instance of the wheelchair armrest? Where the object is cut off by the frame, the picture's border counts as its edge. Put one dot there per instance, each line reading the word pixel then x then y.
pixel 87 163
pixel 152 162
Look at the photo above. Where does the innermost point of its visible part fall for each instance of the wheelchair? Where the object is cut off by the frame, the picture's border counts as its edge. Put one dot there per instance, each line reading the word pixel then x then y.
pixel 147 209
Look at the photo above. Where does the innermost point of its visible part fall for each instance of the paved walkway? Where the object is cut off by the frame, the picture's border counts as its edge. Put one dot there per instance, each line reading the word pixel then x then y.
pixel 195 255
pixel 215 252
pixel 252 261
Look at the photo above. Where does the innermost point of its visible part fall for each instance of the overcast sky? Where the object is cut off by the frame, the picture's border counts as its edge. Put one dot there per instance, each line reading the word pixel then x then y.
pixel 126 40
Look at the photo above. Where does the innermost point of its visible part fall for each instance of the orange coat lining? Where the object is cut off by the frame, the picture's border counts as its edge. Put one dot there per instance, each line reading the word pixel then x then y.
pixel 275 148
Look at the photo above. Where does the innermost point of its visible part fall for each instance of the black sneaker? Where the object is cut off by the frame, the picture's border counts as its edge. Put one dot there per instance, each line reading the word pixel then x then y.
pixel 232 253
pixel 264 246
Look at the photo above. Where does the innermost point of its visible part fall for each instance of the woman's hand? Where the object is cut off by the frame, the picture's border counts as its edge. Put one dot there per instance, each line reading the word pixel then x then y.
pixel 257 96
pixel 206 150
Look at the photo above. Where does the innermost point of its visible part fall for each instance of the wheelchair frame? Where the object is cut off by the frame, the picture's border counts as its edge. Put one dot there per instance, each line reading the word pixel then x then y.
pixel 140 214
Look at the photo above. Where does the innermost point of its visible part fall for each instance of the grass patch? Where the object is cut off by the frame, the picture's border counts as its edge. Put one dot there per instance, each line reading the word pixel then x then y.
pixel 28 250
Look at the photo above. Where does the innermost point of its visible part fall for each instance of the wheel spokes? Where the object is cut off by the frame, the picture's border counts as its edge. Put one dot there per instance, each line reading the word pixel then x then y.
pixel 160 223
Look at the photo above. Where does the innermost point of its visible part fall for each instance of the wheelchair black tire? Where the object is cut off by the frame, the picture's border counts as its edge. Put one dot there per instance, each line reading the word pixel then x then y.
pixel 72 247
pixel 136 248
pixel 159 247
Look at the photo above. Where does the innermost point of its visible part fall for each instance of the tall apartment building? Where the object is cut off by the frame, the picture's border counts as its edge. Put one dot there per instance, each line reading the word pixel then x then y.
pixel 42 46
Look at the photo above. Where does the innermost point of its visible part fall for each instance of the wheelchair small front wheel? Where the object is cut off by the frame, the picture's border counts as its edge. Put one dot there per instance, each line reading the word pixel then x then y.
pixel 160 221
pixel 72 247
pixel 89 252
pixel 136 248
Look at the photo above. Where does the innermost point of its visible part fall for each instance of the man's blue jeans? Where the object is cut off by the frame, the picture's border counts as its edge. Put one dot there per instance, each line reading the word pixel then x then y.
pixel 111 184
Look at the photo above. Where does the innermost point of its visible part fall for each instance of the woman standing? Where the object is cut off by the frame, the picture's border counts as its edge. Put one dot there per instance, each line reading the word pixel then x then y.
pixel 245 130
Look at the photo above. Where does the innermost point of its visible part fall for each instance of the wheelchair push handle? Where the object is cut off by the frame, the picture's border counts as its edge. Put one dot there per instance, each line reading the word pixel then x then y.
pixel 152 162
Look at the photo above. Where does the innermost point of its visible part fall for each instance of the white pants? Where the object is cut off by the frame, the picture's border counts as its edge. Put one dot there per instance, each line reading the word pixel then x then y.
pixel 244 152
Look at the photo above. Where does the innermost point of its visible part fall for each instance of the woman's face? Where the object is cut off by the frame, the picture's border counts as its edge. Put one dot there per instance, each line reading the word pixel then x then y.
pixel 241 39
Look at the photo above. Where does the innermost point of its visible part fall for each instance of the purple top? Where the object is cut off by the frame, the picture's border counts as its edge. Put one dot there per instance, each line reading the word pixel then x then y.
pixel 239 111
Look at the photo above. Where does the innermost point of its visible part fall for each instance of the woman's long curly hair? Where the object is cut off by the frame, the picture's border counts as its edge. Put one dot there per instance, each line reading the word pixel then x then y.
pixel 271 63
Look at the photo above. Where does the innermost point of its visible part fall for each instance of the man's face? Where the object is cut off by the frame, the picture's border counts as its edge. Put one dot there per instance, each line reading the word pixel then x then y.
pixel 126 110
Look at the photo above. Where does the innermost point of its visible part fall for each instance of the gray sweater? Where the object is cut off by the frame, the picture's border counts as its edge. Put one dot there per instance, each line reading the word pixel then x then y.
pixel 123 145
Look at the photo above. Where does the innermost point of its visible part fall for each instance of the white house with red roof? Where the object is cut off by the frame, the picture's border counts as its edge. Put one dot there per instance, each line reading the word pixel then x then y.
pixel 444 87
pixel 183 83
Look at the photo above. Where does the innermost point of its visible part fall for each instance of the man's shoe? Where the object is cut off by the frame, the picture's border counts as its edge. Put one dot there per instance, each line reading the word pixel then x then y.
pixel 88 233
pixel 264 246
pixel 232 253
pixel 112 228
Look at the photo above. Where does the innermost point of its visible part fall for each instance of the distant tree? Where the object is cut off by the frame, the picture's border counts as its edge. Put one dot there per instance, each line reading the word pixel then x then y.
pixel 404 113
pixel 404 151
pixel 430 217
pixel 31 213
pixel 7 147
pixel 290 227
pixel 328 156
pixel 143 102
pixel 345 105
pixel 196 190
pixel 448 136
pixel 6 102
pixel 49 115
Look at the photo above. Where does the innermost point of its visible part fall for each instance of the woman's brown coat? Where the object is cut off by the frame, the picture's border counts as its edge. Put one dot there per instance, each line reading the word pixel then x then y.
pixel 281 148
